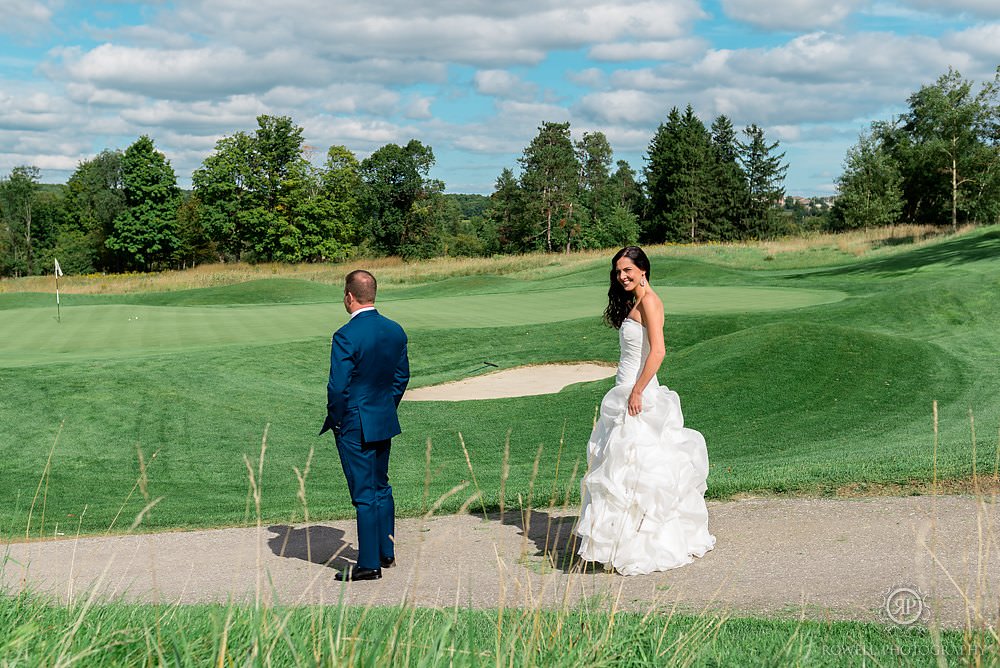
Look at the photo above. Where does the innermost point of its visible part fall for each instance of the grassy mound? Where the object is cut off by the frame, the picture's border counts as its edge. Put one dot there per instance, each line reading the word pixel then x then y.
pixel 796 385
pixel 802 380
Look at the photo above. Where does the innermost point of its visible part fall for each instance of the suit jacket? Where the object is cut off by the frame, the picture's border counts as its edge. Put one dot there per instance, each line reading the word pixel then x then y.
pixel 369 370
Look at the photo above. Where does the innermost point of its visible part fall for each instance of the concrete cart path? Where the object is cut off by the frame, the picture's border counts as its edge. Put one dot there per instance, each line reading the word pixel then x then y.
pixel 824 558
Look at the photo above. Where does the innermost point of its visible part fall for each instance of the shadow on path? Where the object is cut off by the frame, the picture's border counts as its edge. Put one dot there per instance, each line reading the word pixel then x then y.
pixel 549 536
pixel 316 544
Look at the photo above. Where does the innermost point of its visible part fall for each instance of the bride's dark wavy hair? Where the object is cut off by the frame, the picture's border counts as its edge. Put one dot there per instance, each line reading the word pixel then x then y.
pixel 620 301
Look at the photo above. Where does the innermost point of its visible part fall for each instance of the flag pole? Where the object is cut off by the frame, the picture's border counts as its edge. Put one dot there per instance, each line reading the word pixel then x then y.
pixel 58 273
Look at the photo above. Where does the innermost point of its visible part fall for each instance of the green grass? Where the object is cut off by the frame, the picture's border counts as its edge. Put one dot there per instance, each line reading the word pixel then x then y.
pixel 116 326
pixel 802 380
pixel 34 633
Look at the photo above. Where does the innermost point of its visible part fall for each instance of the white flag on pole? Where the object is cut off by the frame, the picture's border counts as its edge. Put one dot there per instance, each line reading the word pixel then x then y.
pixel 58 269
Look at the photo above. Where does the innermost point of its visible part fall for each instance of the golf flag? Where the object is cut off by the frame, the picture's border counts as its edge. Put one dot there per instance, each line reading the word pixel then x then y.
pixel 58 273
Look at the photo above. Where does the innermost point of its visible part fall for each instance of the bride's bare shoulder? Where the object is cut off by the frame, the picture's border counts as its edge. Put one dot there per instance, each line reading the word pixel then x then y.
pixel 650 303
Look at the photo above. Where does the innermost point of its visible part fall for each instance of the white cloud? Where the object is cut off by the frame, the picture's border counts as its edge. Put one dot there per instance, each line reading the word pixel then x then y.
pixel 623 106
pixel 989 9
pixel 663 79
pixel 681 49
pixel 21 17
pixel 190 73
pixel 419 108
pixel 363 74
pixel 791 14
pixel 32 110
pixel 483 141
pixel 786 133
pixel 89 94
pixel 535 113
pixel 55 150
pixel 44 161
pixel 504 84
pixel 237 111
pixel 818 78
pixel 365 134
pixel 982 40
pixel 862 58
pixel 590 77
pixel 351 98
pixel 480 34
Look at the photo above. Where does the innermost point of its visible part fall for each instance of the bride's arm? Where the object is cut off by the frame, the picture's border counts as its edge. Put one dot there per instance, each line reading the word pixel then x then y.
pixel 652 318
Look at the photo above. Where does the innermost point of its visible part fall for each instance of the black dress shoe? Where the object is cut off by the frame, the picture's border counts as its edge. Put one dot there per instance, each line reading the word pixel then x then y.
pixel 356 573
pixel 388 562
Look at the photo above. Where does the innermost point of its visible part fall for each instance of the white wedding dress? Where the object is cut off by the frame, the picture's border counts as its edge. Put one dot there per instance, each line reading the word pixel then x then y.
pixel 644 492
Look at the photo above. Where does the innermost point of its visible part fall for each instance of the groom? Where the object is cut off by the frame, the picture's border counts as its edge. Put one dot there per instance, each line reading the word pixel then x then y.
pixel 369 370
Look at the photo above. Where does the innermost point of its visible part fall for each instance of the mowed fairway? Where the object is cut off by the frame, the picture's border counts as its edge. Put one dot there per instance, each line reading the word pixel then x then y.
pixel 807 380
pixel 87 332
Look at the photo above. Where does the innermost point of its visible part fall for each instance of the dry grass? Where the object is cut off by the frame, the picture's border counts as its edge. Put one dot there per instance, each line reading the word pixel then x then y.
pixel 861 242
pixel 392 271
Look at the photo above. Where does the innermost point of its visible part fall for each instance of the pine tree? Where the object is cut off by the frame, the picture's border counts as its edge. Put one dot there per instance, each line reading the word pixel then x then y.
pixel 661 166
pixel 506 213
pixel 679 177
pixel 625 189
pixel 728 197
pixel 549 180
pixel 594 154
pixel 765 176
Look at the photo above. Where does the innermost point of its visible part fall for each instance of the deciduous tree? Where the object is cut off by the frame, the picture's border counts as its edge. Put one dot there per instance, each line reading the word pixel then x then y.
pixel 396 198
pixel 146 231
pixel 17 200
pixel 94 198
pixel 952 134
pixel 870 189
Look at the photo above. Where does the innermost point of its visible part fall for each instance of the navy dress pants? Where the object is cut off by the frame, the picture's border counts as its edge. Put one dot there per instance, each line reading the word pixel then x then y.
pixel 366 467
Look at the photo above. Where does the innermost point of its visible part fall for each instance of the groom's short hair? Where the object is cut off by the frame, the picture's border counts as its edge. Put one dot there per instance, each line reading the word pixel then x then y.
pixel 362 285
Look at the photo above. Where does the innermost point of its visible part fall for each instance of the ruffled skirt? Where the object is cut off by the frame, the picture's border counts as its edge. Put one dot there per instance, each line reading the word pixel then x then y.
pixel 644 492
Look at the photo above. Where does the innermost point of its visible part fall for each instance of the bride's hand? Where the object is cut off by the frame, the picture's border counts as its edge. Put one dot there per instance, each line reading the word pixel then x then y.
pixel 634 403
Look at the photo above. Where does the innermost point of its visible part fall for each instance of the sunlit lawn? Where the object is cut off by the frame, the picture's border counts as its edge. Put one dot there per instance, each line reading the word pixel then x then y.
pixel 802 380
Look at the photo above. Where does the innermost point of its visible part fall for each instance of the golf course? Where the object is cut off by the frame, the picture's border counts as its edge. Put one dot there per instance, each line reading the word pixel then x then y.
pixel 820 371
pixel 810 372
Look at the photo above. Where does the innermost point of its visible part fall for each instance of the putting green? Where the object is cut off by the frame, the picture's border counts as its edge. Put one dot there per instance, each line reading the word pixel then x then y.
pixel 32 335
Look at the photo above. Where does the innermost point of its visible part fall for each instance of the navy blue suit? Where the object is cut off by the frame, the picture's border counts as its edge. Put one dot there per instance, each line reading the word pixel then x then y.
pixel 369 370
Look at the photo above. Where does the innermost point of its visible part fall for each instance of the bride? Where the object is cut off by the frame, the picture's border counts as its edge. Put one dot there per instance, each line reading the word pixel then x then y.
pixel 644 491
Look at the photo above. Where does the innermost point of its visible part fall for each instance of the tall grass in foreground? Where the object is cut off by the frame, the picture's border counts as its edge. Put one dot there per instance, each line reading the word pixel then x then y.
pixel 34 632
pixel 393 271
pixel 596 631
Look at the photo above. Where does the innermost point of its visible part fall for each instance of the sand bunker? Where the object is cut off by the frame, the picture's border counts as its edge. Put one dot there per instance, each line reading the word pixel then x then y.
pixel 519 382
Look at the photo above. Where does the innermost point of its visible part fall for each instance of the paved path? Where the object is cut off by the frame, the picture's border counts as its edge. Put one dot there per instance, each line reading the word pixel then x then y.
pixel 824 558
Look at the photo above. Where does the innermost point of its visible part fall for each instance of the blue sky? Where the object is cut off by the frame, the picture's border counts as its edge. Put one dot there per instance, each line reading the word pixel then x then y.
pixel 473 79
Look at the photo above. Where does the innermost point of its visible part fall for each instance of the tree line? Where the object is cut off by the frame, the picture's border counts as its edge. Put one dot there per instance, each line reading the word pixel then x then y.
pixel 258 198
pixel 938 163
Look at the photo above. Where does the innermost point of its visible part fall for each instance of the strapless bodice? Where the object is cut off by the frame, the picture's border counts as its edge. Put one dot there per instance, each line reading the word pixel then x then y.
pixel 634 346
